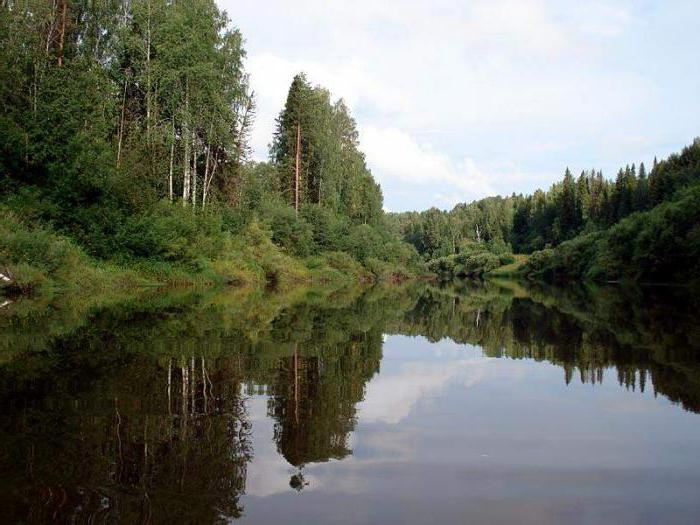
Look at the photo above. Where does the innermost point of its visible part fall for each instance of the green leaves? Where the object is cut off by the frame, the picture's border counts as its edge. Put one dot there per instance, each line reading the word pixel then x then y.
pixel 332 170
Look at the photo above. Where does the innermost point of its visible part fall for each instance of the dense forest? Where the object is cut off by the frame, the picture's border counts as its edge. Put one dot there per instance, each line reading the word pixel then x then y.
pixel 125 160
pixel 125 147
pixel 640 226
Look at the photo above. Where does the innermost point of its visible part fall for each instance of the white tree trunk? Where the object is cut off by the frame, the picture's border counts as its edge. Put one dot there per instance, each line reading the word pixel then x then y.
pixel 121 125
pixel 148 78
pixel 205 184
pixel 186 160
pixel 194 171
pixel 172 158
pixel 186 169
pixel 208 182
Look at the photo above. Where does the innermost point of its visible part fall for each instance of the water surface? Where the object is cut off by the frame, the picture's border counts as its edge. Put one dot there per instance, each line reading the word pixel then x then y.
pixel 464 404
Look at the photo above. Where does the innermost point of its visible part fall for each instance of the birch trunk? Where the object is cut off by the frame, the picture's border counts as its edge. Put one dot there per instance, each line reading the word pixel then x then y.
pixel 205 184
pixel 296 383
pixel 148 78
pixel 63 6
pixel 172 158
pixel 185 383
pixel 186 172
pixel 186 164
pixel 208 183
pixel 194 172
pixel 170 379
pixel 121 124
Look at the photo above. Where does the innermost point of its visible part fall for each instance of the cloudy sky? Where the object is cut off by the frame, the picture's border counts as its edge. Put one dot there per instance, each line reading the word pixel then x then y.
pixel 456 100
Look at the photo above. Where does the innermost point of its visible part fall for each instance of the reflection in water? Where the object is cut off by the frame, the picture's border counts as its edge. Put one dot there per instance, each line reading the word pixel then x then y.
pixel 140 412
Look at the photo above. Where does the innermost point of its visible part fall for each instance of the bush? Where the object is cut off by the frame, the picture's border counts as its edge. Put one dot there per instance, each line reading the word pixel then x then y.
pixel 506 258
pixel 35 247
pixel 289 232
pixel 479 264
pixel 364 242
pixel 343 262
pixel 328 228
pixel 172 233
pixel 473 260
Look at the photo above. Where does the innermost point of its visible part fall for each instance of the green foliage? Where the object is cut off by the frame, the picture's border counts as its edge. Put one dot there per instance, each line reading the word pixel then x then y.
pixel 474 259
pixel 571 258
pixel 173 234
pixel 289 232
pixel 131 140
pixel 363 242
pixel 343 262
pixel 660 245
pixel 544 219
pixel 506 258
pixel 332 170
pixel 328 229
pixel 35 258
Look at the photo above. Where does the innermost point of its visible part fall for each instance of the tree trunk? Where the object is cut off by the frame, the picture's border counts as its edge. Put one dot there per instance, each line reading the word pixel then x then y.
pixel 296 171
pixel 172 157
pixel 63 7
pixel 205 183
pixel 211 178
pixel 170 380
pixel 186 164
pixel 185 384
pixel 194 171
pixel 121 124
pixel 296 384
pixel 148 81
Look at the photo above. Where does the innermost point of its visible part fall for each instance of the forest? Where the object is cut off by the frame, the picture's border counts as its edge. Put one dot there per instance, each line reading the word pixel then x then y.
pixel 642 226
pixel 125 161
pixel 125 158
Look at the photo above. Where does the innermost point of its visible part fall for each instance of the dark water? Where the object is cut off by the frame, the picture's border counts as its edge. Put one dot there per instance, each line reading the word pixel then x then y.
pixel 470 404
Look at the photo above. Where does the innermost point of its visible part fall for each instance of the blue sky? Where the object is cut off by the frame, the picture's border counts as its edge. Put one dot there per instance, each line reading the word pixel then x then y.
pixel 458 100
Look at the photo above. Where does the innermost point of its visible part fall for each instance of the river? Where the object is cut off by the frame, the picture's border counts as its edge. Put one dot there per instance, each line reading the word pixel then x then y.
pixel 494 402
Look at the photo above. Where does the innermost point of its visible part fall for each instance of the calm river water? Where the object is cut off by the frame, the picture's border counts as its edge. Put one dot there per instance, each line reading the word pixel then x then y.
pixel 490 403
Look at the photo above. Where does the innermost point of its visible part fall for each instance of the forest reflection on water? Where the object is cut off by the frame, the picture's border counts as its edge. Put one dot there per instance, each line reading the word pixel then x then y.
pixel 486 402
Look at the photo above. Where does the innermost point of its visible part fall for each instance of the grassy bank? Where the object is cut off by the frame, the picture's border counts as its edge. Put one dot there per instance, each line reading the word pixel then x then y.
pixel 40 262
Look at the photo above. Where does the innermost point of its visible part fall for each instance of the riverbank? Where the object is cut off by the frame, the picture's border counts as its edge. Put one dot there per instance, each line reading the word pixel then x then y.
pixel 37 261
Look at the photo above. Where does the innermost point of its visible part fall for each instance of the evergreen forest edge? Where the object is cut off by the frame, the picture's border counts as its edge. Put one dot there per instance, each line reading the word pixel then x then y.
pixel 125 162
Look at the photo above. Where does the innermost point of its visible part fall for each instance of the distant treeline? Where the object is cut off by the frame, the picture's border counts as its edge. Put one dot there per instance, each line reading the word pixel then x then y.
pixel 649 222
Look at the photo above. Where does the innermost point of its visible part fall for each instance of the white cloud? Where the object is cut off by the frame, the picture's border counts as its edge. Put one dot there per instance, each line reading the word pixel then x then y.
pixel 399 160
pixel 482 93
pixel 271 76
pixel 391 396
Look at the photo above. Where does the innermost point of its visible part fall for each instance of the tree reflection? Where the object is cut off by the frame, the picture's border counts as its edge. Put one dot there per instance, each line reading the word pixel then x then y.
pixel 643 336
pixel 140 410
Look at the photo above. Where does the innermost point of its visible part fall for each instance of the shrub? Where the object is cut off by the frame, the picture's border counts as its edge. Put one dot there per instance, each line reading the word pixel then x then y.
pixel 328 228
pixel 35 247
pixel 172 233
pixel 506 258
pixel 343 262
pixel 363 242
pixel 290 232
pixel 479 264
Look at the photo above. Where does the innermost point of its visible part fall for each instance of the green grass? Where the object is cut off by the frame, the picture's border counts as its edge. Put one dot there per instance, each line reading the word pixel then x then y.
pixel 44 263
pixel 510 270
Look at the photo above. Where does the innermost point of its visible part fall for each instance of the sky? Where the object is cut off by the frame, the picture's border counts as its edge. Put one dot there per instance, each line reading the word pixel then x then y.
pixel 459 100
